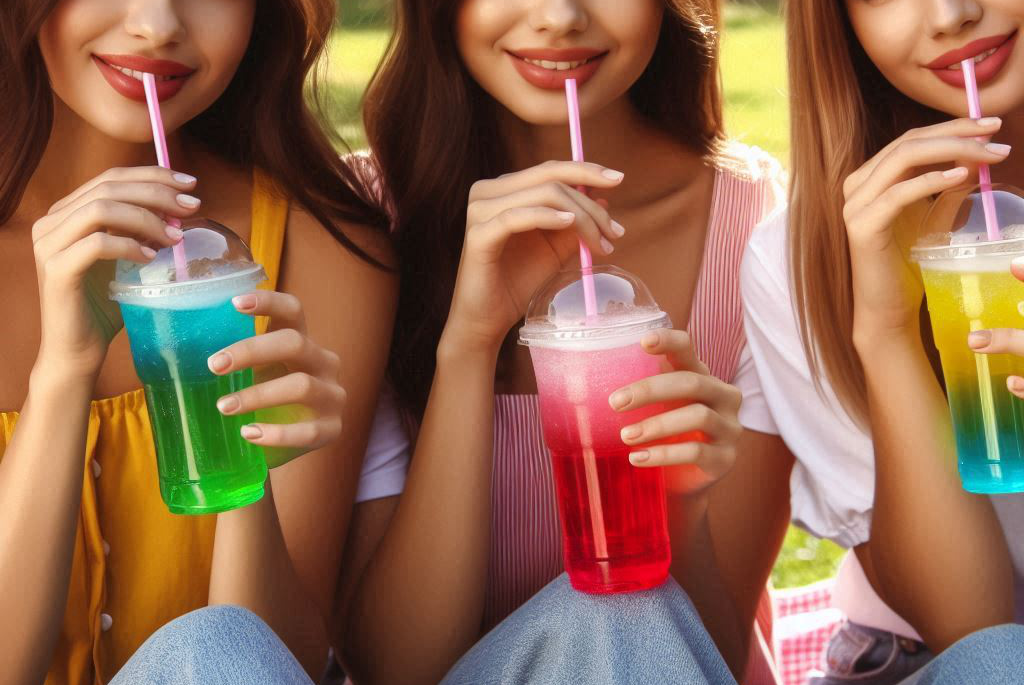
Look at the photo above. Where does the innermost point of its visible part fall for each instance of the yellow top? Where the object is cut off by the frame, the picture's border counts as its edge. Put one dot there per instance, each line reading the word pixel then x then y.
pixel 157 565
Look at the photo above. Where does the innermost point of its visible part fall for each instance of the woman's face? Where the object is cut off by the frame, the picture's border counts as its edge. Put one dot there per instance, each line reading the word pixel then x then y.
pixel 918 46
pixel 522 51
pixel 95 51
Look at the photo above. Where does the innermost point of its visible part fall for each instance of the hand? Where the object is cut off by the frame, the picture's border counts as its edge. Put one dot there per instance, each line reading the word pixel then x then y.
pixel 701 430
pixel 1003 341
pixel 517 236
pixel 117 215
pixel 297 397
pixel 886 293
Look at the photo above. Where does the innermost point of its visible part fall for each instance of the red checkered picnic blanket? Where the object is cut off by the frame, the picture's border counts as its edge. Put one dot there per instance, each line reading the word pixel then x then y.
pixel 804 622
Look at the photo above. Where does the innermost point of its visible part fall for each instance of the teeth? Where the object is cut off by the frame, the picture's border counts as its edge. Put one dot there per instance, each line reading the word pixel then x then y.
pixel 557 66
pixel 138 74
pixel 977 59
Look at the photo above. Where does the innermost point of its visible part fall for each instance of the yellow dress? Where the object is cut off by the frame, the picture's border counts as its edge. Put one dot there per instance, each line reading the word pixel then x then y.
pixel 157 565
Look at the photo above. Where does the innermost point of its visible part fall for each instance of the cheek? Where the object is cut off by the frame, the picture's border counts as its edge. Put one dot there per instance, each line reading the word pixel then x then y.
pixel 887 35
pixel 221 31
pixel 634 26
pixel 71 25
pixel 478 26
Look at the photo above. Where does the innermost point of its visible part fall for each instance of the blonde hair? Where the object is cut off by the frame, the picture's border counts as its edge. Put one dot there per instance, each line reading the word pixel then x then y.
pixel 843 111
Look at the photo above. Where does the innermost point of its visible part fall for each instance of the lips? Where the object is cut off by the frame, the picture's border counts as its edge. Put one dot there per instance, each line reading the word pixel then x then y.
pixel 124 74
pixel 990 55
pixel 549 68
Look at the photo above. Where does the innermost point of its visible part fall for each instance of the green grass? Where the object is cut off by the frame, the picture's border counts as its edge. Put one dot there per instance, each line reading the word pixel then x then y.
pixel 754 76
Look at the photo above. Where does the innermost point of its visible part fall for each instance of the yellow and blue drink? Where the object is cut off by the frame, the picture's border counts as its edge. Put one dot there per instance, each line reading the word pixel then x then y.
pixel 970 288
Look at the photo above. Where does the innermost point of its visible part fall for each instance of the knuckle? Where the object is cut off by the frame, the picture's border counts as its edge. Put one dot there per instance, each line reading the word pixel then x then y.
pixel 333 362
pixel 293 342
pixel 341 395
pixel 689 383
pixel 478 189
pixel 703 414
pixel 305 384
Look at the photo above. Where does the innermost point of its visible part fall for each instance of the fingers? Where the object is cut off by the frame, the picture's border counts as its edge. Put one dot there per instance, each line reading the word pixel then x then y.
pixel 694 422
pixel 678 348
pixel 284 310
pixel 567 173
pixel 997 341
pixel 108 216
pixel 182 183
pixel 491 236
pixel 294 389
pixel 714 460
pixel 287 346
pixel 73 262
pixel 310 435
pixel 1015 384
pixel 675 387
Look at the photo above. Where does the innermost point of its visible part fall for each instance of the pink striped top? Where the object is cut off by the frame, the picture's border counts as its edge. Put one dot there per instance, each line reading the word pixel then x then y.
pixel 526 550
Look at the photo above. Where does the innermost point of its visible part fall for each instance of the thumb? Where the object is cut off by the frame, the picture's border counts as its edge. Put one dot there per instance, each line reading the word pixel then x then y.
pixel 1017 268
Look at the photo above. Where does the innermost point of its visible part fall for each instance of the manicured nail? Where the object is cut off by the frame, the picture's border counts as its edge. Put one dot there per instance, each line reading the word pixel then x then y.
pixel 989 121
pixel 567 217
pixel 607 246
pixel 184 178
pixel 979 339
pixel 1015 384
pixel 620 398
pixel 639 457
pixel 998 149
pixel 630 432
pixel 251 432
pixel 187 201
pixel 174 233
pixel 148 252
pixel 219 362
pixel 228 405
pixel 618 229
pixel 244 302
pixel 613 175
pixel 955 173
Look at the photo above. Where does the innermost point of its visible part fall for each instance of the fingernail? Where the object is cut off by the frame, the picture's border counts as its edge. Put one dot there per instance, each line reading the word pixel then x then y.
pixel 618 229
pixel 1015 383
pixel 187 201
pixel 954 173
pixel 630 432
pixel 251 432
pixel 148 252
pixel 567 217
pixel 613 175
pixel 219 362
pixel 989 121
pixel 998 149
pixel 228 405
pixel 185 178
pixel 639 457
pixel 244 302
pixel 174 233
pixel 979 339
pixel 606 246
pixel 620 398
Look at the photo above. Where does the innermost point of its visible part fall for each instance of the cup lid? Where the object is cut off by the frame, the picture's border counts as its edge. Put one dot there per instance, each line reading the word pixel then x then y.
pixel 954 226
pixel 214 257
pixel 558 315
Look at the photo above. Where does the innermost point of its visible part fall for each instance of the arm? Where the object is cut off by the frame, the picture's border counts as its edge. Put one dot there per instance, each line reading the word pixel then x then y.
pixel 292 541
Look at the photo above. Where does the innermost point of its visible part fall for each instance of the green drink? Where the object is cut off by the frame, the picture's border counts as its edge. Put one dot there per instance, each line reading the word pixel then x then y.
pixel 174 326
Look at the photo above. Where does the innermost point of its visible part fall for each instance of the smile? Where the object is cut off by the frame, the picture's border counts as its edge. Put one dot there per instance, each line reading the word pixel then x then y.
pixel 124 74
pixel 556 66
pixel 548 68
pixel 989 55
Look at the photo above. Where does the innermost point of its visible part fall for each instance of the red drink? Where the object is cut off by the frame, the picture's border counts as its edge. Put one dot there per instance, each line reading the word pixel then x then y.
pixel 614 527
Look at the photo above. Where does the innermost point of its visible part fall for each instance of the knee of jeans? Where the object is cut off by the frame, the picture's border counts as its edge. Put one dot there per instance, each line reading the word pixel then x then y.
pixel 1005 640
pixel 211 619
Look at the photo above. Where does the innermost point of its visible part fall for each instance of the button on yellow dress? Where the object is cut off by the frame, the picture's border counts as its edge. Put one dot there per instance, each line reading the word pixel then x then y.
pixel 136 566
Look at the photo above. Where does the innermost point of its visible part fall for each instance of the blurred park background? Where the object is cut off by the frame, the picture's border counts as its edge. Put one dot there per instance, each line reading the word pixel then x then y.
pixel 754 79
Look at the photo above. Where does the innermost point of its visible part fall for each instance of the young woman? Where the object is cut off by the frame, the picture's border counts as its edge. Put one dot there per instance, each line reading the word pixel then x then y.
pixel 91 562
pixel 836 324
pixel 467 119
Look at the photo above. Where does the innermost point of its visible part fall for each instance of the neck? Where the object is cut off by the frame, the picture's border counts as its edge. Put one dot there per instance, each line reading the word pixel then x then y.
pixel 77 152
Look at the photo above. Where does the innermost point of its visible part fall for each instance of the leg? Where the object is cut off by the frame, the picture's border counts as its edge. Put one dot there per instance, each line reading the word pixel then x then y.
pixel 570 638
pixel 994 656
pixel 216 645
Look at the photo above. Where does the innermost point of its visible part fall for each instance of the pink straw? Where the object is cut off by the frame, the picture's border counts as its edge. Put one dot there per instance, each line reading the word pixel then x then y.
pixel 988 200
pixel 576 137
pixel 163 159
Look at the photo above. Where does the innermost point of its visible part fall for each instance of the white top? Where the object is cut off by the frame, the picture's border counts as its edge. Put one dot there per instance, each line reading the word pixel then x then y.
pixel 387 453
pixel 832 486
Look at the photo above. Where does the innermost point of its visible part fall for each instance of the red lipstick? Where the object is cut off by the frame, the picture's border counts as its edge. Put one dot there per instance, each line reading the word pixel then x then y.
pixel 171 76
pixel 549 77
pixel 986 70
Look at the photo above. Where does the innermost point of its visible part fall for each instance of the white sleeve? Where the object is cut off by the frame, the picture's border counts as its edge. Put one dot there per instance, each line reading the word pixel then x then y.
pixel 832 486
pixel 387 453
pixel 755 413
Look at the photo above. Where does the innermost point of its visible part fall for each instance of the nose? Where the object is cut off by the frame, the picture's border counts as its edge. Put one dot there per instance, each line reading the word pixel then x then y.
pixel 560 17
pixel 155 21
pixel 949 17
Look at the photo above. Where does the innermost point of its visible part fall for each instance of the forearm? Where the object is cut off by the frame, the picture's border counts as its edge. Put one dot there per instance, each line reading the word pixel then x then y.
pixel 937 552
pixel 40 496
pixel 252 569
pixel 695 568
pixel 420 603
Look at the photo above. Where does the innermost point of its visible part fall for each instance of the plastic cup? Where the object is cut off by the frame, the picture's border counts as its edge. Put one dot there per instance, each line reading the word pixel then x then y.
pixel 969 287
pixel 173 325
pixel 613 515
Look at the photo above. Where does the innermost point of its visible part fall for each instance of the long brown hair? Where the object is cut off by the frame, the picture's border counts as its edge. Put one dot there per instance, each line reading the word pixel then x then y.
pixel 262 120
pixel 843 111
pixel 433 129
